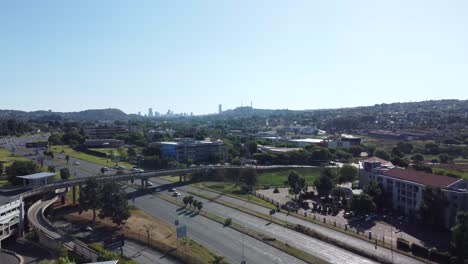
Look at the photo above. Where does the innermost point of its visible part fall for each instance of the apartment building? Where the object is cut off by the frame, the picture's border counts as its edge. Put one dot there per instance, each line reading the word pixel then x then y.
pixel 404 187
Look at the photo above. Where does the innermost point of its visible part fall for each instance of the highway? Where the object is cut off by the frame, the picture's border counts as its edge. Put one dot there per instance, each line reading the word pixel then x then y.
pixel 287 235
pixel 325 251
pixel 145 255
pixel 222 240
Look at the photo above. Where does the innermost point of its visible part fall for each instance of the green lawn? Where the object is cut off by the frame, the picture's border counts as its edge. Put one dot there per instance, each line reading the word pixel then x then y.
pixel 445 171
pixel 8 158
pixel 233 189
pixel 278 177
pixel 110 151
pixel 87 157
pixel 4 183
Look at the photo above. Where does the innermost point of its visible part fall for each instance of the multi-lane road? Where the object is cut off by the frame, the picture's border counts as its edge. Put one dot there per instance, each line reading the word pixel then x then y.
pixel 228 242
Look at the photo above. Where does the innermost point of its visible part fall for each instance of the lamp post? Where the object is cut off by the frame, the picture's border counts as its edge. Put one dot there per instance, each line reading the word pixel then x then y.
pixel 148 229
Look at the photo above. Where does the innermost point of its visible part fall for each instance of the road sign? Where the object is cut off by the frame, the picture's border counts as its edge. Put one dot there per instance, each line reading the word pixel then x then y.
pixel 181 231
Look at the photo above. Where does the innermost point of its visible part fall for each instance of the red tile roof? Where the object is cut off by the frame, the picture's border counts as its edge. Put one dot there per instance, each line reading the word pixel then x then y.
pixel 375 159
pixel 421 177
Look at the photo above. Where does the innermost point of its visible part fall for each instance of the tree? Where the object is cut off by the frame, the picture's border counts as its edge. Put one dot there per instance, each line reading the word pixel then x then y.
pixel 65 174
pixel 114 203
pixel 296 183
pixel 401 162
pixel 249 177
pixel 405 147
pixel 252 147
pixel 90 197
pixel 460 236
pixel 67 158
pixel 51 168
pixel 185 200
pixel 362 204
pixel 431 149
pixel 20 168
pixel 131 152
pixel 377 193
pixel 55 139
pixel 382 153
pixel 433 205
pixel 199 205
pixel 324 185
pixel 348 173
pixel 445 158
pixel 190 200
pixel 417 158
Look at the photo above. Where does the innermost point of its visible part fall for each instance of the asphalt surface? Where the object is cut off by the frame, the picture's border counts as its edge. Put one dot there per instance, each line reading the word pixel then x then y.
pixel 31 253
pixel 313 246
pixel 145 255
pixel 6 258
pixel 221 240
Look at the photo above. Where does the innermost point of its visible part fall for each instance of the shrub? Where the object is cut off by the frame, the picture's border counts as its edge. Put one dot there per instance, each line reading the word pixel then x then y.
pixel 403 244
pixel 436 255
pixel 228 221
pixel 276 190
pixel 419 250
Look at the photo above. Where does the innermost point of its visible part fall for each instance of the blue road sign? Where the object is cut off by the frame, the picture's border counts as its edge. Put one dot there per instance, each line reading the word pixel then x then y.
pixel 181 231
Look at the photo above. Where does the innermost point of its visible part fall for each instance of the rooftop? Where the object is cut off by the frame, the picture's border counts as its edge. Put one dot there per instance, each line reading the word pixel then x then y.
pixel 421 177
pixel 35 176
pixel 379 160
pixel 308 140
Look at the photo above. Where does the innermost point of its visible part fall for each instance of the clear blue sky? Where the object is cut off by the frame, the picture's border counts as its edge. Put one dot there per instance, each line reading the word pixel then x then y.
pixel 190 56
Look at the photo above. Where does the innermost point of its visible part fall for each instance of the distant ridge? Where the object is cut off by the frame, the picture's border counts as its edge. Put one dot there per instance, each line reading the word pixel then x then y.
pixel 110 114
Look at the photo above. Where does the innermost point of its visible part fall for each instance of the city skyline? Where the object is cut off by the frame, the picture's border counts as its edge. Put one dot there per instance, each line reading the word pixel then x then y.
pixel 191 57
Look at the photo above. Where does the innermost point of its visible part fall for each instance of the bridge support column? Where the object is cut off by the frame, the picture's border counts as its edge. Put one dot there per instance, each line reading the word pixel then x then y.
pixel 74 194
pixel 143 183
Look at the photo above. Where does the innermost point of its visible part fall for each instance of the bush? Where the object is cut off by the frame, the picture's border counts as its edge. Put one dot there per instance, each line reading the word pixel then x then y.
pixel 276 190
pixel 228 221
pixel 32 236
pixel 418 250
pixel 403 244
pixel 436 255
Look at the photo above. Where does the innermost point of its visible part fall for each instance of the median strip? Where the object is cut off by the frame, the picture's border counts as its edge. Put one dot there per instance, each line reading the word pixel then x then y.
pixel 285 247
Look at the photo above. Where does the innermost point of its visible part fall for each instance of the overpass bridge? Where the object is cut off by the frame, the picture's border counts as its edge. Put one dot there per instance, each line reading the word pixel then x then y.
pixel 12 213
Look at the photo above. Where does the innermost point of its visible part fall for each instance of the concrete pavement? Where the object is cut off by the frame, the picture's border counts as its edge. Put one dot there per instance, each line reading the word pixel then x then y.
pixel 288 234
pixel 221 240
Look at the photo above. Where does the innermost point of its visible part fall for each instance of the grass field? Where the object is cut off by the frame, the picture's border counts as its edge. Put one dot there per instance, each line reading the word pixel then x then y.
pixel 111 151
pixel 8 158
pixel 162 235
pixel 278 177
pixel 87 157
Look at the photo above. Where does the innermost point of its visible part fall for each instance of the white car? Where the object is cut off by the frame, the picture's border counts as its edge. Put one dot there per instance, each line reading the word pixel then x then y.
pixel 138 170
pixel 76 163
pixel 150 183
pixel 176 194
pixel 119 167
pixel 172 190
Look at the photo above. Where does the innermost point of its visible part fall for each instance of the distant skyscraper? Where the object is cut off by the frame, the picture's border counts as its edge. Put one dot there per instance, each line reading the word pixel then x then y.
pixel 150 112
pixel 220 108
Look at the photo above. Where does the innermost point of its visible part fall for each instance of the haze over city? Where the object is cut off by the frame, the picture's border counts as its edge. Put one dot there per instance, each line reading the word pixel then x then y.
pixel 192 56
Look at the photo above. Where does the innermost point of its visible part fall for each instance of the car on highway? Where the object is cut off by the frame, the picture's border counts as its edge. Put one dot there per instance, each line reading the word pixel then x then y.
pixel 137 170
pixel 76 163
pixel 176 194
pixel 150 183
pixel 119 167
pixel 172 189
pixel 105 169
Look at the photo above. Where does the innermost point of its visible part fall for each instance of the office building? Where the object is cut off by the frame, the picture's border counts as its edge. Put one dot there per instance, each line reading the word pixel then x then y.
pixel 193 150
pixel 404 188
